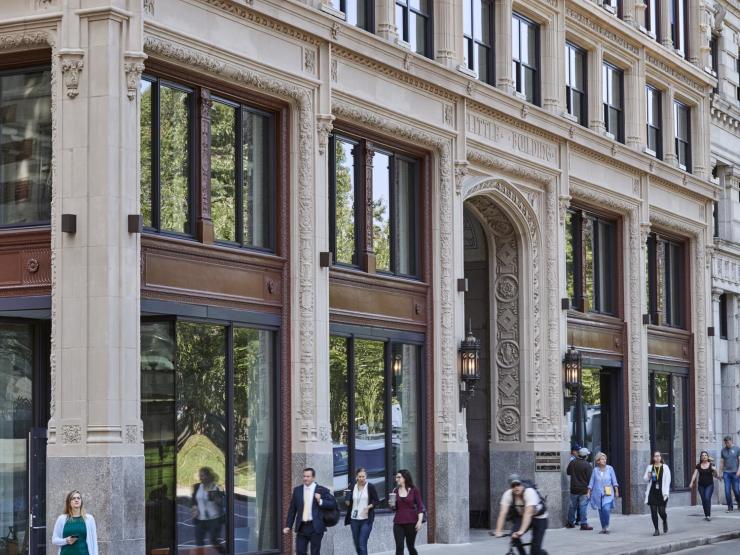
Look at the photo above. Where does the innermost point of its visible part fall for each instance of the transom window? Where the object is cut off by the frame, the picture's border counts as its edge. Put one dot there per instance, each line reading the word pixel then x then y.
pixel 666 281
pixel 25 147
pixel 525 47
pixel 413 20
pixel 238 194
pixel 590 262
pixel 654 122
pixel 612 87
pixel 682 134
pixel 375 392
pixel 575 82
pixel 374 194
pixel 479 33
pixel 356 12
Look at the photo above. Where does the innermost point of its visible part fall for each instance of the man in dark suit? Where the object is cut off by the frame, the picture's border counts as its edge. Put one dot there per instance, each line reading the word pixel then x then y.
pixel 304 514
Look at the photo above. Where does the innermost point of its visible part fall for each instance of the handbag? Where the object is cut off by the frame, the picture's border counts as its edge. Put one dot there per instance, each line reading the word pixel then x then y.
pixel 608 491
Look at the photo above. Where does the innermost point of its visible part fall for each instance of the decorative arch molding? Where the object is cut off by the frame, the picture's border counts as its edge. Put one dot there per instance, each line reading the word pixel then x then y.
pixel 695 232
pixel 638 336
pixel 502 165
pixel 452 429
pixel 302 99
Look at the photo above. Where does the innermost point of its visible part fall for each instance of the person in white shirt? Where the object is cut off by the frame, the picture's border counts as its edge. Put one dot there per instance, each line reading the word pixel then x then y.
pixel 208 509
pixel 75 532
pixel 304 514
pixel 361 514
pixel 524 506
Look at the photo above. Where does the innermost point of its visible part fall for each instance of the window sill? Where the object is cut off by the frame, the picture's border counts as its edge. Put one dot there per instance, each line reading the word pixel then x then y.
pixel 334 13
pixel 469 72
pixel 357 274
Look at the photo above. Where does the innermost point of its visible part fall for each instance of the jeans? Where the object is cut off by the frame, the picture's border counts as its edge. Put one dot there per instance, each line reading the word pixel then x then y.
pixel 604 515
pixel 538 528
pixel 210 528
pixel 407 532
pixel 579 503
pixel 732 485
pixel 705 492
pixel 360 533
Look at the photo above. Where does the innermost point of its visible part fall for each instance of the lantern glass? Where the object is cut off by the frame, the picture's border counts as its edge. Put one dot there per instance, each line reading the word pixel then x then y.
pixel 397 366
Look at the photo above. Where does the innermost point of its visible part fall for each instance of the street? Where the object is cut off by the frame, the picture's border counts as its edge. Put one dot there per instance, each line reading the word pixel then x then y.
pixel 724 548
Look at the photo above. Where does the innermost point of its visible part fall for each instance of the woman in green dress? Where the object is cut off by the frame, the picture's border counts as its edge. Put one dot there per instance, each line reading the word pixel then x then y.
pixel 75 532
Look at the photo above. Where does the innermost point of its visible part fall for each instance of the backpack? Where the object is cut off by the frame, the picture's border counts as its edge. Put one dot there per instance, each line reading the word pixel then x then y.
pixel 528 484
pixel 330 516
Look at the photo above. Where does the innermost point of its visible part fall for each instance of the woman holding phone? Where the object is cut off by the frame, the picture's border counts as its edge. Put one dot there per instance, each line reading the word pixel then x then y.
pixel 361 502
pixel 74 531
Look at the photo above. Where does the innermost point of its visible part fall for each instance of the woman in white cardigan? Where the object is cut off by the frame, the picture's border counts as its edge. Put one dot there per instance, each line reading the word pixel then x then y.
pixel 658 477
pixel 74 531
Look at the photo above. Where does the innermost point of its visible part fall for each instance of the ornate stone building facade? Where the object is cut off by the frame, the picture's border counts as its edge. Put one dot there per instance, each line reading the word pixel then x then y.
pixel 235 237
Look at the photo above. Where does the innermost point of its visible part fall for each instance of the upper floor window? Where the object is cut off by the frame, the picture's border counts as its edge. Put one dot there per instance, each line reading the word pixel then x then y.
pixel 413 20
pixel 723 316
pixel 591 251
pixel 525 57
pixel 666 281
pixel 478 33
pixel 654 126
pixel 575 82
pixel 652 17
pixel 25 147
pixel 614 6
pixel 679 25
pixel 613 98
pixel 356 12
pixel 374 195
pixel 682 133
pixel 715 218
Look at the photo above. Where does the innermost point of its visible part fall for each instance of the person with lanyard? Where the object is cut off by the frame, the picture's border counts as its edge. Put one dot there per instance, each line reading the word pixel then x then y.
pixel 603 489
pixel 525 508
pixel 658 476
pixel 74 531
pixel 729 469
pixel 361 515
pixel 706 472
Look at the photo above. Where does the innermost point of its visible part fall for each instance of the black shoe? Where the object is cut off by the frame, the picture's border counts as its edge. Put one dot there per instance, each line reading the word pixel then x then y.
pixel 656 533
pixel 569 525
pixel 665 526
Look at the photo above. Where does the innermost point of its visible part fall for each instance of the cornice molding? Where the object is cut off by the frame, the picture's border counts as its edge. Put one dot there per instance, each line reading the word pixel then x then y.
pixel 604 32
pixel 475 106
pixel 663 67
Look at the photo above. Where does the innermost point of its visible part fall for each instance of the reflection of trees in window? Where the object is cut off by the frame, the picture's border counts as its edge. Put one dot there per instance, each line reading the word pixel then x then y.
pixel 669 421
pixel 338 401
pixel 223 170
pixel 666 281
pixel 344 203
pixel 369 387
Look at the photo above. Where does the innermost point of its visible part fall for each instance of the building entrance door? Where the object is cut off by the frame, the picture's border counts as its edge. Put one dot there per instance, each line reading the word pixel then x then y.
pixel 24 413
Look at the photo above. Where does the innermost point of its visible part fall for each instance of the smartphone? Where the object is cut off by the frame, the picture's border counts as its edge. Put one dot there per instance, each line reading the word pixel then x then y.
pixel 75 536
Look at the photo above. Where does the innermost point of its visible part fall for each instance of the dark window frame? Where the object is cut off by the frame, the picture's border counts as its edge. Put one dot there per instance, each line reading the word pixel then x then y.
pixel 608 107
pixel 650 6
pixel 403 26
pixel 369 14
pixel 678 107
pixel 570 89
pixel 362 181
pixel 675 268
pixel 658 151
pixel 678 32
pixel 723 316
pixel 471 43
pixel 389 337
pixel 20 70
pixel 715 218
pixel 231 319
pixel 522 67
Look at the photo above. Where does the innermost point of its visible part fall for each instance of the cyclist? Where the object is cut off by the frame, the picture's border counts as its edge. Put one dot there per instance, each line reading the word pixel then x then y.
pixel 523 506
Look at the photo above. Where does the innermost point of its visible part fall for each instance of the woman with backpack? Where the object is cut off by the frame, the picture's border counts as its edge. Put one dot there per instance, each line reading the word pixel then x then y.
pixel 658 477
pixel 361 513
pixel 603 489
pixel 406 501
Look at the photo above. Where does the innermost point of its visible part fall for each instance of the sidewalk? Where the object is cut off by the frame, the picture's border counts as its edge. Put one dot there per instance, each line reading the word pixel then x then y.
pixel 630 535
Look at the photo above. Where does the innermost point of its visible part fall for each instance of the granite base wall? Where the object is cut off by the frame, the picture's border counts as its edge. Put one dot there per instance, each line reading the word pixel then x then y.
pixel 113 492
pixel 452 501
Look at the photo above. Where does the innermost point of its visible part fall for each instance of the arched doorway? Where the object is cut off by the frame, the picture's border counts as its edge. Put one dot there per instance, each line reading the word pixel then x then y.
pixel 492 256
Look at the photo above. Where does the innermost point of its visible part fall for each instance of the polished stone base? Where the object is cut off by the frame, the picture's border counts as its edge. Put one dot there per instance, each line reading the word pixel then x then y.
pixel 113 492
pixel 452 511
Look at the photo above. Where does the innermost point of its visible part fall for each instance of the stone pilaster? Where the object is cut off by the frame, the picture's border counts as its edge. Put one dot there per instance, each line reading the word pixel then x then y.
pixel 552 72
pixel 665 24
pixel 95 433
pixel 634 95
pixel 595 106
pixel 669 143
pixel 504 78
pixel 385 20
pixel 448 36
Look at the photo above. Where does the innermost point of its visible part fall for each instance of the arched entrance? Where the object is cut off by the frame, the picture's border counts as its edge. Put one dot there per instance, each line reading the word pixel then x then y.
pixel 493 308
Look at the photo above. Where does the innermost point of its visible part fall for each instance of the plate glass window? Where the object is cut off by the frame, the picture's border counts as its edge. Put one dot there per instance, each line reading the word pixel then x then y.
pixel 413 20
pixel 478 36
pixel 679 25
pixel 682 133
pixel 525 57
pixel 654 131
pixel 666 283
pixel 356 12
pixel 575 82
pixel 612 87
pixel 25 147
pixel 652 17
pixel 669 421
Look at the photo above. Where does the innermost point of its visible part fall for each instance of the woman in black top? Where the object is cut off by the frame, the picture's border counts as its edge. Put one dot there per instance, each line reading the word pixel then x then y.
pixel 706 472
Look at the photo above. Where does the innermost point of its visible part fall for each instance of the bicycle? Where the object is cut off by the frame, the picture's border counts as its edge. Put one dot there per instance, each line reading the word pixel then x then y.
pixel 516 543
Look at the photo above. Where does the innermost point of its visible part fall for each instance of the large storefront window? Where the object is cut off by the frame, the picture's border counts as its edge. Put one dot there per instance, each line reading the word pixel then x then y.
pixel 666 283
pixel 375 389
pixel 209 437
pixel 25 147
pixel 669 421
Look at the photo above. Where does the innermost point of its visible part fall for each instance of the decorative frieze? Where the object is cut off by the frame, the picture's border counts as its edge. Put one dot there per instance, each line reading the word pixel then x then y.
pixel 513 140
pixel 679 76
pixel 596 27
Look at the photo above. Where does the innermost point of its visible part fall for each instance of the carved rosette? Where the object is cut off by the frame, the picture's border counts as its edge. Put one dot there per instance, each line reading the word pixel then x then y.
pixel 133 67
pixel 71 63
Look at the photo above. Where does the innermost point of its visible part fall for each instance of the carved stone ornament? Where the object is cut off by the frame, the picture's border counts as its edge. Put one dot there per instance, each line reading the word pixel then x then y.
pixel 461 170
pixel 334 70
pixel 407 62
pixel 334 30
pixel 71 434
pixel 309 61
pixel 525 111
pixel 32 265
pixel 470 89
pixel 71 62
pixel 447 115
pixel 324 126
pixel 149 7
pixel 132 433
pixel 564 205
pixel 25 39
pixel 133 66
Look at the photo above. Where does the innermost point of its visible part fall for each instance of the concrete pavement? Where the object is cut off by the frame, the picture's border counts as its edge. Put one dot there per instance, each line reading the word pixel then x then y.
pixel 630 535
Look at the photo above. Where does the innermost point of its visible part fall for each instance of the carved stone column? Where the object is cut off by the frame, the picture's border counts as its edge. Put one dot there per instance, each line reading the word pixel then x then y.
pixel 552 54
pixel 447 34
pixel 385 20
pixel 669 144
pixel 595 107
pixel 95 433
pixel 634 95
pixel 504 77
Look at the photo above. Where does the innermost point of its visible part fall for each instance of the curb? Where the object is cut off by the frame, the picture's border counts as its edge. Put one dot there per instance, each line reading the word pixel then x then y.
pixel 684 544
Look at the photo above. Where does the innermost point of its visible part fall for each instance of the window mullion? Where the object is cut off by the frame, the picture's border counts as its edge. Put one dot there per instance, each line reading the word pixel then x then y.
pixel 230 435
pixel 351 404
pixel 392 208
pixel 156 154
pixel 239 174
pixel 388 416
pixel 366 207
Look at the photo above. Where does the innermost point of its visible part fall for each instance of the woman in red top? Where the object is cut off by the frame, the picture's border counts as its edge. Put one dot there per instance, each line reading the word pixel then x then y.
pixel 406 502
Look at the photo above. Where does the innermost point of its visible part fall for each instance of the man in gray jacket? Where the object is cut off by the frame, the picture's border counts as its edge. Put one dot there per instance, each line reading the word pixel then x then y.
pixel 579 471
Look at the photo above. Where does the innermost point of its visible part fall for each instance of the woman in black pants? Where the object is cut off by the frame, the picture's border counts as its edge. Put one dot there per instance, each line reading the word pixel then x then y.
pixel 706 472
pixel 406 501
pixel 658 477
